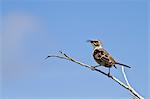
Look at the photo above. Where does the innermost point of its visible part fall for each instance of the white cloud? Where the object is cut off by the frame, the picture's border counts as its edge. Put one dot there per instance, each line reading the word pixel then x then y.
pixel 16 26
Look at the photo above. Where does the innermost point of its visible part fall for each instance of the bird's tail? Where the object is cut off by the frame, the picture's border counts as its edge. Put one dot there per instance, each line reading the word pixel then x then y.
pixel 123 65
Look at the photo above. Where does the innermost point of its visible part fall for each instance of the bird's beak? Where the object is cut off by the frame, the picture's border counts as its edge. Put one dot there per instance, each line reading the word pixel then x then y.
pixel 88 41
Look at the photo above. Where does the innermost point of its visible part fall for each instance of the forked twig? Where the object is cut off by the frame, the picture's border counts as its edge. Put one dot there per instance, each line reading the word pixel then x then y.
pixel 128 87
pixel 133 92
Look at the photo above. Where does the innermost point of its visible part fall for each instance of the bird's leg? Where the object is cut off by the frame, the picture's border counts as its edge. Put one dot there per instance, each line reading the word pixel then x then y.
pixel 115 66
pixel 97 66
pixel 109 73
pixel 94 67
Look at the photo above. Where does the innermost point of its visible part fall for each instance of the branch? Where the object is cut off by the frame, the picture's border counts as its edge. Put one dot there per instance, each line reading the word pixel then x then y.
pixel 128 87
pixel 125 77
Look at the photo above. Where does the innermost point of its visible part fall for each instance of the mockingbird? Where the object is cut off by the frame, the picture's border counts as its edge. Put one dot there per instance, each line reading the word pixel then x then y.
pixel 102 57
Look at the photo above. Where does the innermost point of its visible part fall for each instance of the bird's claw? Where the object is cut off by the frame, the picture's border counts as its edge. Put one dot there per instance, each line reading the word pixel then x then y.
pixel 109 75
pixel 92 67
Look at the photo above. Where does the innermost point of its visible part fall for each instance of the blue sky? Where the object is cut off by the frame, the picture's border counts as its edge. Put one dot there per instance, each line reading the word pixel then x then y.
pixel 31 30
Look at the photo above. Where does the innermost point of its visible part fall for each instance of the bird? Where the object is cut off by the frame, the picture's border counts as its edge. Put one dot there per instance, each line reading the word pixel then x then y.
pixel 102 57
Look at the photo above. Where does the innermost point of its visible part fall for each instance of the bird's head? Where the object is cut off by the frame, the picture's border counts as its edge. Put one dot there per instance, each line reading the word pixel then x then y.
pixel 95 43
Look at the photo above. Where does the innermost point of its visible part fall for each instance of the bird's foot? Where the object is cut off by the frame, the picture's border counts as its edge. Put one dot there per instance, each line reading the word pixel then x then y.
pixel 109 75
pixel 93 67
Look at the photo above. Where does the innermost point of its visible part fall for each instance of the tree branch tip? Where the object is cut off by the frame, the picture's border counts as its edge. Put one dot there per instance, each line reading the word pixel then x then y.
pixel 60 52
pixel 47 57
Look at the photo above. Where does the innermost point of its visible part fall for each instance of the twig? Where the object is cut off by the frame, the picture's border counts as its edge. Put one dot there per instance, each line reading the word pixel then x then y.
pixel 133 92
pixel 125 77
pixel 128 87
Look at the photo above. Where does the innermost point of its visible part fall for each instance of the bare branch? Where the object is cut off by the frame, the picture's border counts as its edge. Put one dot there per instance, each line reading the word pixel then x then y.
pixel 125 77
pixel 133 92
pixel 128 87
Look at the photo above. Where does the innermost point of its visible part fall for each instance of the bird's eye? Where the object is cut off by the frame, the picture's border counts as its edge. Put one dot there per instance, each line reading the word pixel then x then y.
pixel 95 42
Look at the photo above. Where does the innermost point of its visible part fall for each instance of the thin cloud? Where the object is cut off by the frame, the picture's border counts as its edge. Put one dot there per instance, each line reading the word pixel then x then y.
pixel 16 27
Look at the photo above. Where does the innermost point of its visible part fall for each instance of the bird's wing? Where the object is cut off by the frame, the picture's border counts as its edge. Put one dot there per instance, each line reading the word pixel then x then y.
pixel 107 58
